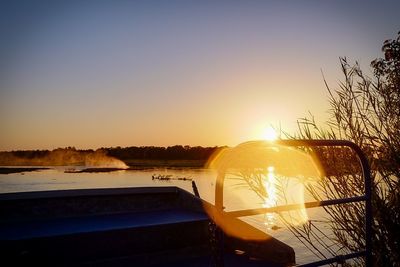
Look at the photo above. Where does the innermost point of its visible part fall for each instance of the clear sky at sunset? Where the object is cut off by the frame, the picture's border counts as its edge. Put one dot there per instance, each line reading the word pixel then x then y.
pixel 120 73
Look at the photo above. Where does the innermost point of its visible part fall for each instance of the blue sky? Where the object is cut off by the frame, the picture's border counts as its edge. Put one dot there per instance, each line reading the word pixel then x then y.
pixel 108 73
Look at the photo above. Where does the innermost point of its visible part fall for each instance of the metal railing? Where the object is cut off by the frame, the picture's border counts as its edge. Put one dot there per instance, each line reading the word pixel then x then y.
pixel 367 253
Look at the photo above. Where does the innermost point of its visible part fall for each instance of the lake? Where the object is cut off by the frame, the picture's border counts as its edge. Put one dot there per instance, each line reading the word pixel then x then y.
pixel 236 197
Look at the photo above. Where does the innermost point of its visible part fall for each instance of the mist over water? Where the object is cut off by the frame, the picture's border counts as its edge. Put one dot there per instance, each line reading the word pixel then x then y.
pixel 62 157
pixel 102 160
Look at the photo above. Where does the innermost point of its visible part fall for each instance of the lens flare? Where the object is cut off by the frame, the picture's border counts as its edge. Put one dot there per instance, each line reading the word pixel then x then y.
pixel 267 175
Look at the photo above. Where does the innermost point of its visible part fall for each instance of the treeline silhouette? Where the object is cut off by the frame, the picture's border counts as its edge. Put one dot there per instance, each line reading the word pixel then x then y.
pixel 176 152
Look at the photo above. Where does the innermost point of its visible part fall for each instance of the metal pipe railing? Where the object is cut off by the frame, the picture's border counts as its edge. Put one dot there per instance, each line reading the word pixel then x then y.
pixel 307 205
pixel 367 198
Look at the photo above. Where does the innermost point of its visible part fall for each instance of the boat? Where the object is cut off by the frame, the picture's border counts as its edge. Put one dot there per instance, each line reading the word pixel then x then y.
pixel 161 226
pixel 144 226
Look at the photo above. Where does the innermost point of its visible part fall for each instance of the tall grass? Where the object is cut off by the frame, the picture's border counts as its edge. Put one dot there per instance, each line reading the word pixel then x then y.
pixel 365 110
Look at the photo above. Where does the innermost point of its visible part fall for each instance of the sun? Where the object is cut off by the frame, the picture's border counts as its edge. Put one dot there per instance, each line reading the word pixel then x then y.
pixel 270 134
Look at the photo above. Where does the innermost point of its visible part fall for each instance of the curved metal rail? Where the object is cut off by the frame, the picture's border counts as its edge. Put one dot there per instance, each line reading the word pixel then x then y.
pixel 367 253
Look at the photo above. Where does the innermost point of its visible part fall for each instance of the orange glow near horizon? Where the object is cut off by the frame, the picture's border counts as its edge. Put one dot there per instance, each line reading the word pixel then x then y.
pixel 122 73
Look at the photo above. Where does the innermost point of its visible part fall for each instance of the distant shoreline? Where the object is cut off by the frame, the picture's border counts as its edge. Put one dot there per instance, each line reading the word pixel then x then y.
pixel 132 165
pixel 190 163
pixel 135 157
pixel 8 170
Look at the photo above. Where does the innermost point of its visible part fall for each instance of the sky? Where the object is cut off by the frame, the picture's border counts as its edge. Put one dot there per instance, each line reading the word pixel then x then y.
pixel 96 74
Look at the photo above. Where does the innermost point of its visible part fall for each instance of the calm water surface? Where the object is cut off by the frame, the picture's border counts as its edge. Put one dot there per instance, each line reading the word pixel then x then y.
pixel 235 197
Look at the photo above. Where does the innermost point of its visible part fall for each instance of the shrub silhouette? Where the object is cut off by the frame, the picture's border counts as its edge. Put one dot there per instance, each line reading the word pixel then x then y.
pixel 365 110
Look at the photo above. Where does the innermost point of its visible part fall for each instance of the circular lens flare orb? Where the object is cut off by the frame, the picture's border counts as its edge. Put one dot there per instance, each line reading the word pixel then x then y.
pixel 270 134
